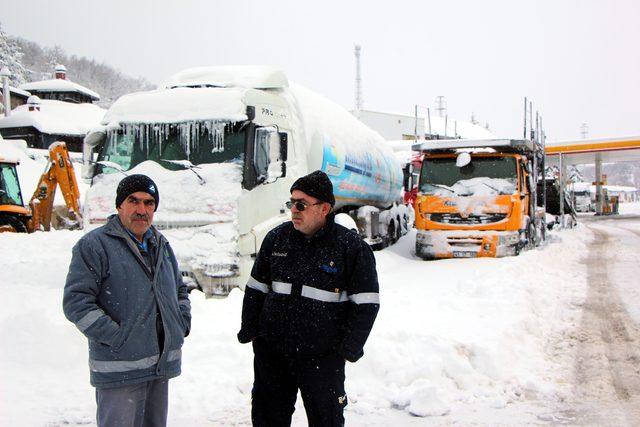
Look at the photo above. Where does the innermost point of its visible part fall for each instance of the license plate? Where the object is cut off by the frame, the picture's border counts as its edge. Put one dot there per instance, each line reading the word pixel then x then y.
pixel 464 254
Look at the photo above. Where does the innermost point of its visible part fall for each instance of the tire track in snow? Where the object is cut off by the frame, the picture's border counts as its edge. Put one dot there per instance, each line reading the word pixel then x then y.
pixel 607 369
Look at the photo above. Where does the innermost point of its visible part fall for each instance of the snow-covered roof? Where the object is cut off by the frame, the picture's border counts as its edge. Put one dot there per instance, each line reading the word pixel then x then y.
pixel 56 117
pixel 178 105
pixel 17 91
pixel 255 77
pixel 587 186
pixel 461 128
pixel 59 85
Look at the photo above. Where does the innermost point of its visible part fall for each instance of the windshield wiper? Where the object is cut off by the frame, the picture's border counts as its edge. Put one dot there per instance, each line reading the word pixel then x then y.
pixel 492 187
pixel 112 165
pixel 446 187
pixel 187 165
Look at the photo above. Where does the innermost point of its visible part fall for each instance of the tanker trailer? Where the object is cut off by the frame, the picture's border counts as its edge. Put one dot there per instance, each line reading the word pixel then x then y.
pixel 224 145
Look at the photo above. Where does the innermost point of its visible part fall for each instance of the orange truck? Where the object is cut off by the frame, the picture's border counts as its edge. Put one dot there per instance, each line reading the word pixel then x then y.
pixel 477 198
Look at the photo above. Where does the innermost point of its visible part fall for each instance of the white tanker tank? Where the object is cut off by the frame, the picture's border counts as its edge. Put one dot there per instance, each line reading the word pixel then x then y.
pixel 224 145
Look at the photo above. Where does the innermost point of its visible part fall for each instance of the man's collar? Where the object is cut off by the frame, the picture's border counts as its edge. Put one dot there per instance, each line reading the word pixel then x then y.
pixel 147 237
pixel 328 226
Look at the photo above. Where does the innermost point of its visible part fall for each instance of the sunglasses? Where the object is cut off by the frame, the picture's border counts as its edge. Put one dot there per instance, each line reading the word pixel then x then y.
pixel 301 206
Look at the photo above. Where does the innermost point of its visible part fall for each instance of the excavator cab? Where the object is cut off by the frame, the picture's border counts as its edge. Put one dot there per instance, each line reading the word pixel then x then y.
pixel 14 216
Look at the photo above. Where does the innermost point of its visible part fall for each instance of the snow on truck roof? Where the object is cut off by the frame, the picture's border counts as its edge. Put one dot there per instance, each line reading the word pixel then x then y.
pixel 178 105
pixel 253 77
pixel 59 85
pixel 456 144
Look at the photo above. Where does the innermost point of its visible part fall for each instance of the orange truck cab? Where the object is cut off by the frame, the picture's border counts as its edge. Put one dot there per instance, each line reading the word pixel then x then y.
pixel 477 198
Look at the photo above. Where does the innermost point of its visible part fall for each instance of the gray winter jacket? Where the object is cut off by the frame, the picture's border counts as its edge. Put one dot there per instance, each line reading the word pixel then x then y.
pixel 113 299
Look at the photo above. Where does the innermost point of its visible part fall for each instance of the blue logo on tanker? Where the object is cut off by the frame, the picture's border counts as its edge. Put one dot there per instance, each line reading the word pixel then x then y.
pixel 357 175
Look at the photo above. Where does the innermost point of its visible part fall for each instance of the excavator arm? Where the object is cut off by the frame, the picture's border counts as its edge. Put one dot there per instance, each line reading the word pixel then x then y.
pixel 58 172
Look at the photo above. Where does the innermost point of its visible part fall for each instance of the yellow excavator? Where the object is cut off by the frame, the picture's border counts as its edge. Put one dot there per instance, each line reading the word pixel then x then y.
pixel 16 217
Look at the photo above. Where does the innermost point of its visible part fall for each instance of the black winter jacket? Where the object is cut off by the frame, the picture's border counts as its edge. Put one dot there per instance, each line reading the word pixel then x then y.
pixel 309 297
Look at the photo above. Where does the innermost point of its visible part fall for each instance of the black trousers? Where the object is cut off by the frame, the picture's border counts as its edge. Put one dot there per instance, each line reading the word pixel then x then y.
pixel 276 384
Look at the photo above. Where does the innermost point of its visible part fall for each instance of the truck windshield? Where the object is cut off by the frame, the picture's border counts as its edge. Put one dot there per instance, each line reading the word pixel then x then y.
pixel 9 185
pixel 199 142
pixel 482 176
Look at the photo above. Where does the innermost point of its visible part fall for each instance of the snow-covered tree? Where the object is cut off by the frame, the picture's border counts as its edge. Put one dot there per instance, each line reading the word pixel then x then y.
pixel 101 78
pixel 10 56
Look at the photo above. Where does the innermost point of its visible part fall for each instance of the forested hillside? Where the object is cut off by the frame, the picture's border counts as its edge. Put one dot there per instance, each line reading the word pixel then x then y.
pixel 28 61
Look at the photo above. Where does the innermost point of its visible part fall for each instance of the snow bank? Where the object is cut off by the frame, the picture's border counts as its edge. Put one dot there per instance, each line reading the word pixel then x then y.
pixel 455 340
pixel 454 333
pixel 629 208
pixel 56 117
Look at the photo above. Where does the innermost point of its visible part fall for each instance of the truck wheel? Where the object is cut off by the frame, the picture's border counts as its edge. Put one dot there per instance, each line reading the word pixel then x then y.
pixel 11 224
pixel 517 248
pixel 531 232
pixel 543 231
pixel 391 233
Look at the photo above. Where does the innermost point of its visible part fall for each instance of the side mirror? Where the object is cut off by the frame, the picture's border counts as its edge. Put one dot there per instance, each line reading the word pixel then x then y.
pixel 406 177
pixel 463 159
pixel 95 138
pixel 284 151
pixel 269 155
pixel 92 140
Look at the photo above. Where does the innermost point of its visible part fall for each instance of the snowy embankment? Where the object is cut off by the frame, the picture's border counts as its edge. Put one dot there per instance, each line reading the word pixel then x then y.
pixel 456 340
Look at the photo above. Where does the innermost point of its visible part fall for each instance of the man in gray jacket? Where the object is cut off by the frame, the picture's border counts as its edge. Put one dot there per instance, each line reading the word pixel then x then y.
pixel 124 292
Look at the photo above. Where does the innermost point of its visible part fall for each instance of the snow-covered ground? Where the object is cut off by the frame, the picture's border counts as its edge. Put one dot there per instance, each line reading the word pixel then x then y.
pixel 473 341
pixel 629 208
pixel 469 342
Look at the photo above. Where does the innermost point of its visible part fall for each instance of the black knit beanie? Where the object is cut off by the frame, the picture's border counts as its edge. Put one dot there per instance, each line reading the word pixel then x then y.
pixel 135 183
pixel 317 184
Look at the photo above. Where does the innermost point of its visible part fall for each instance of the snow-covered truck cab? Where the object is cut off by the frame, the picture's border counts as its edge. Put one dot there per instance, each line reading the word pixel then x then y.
pixel 475 198
pixel 224 145
pixel 216 145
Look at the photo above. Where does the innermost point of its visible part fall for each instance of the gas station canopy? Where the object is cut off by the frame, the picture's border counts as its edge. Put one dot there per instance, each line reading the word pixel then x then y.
pixel 583 151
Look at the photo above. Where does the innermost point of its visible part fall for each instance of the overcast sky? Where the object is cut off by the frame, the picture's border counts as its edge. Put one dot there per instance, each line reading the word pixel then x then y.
pixel 577 60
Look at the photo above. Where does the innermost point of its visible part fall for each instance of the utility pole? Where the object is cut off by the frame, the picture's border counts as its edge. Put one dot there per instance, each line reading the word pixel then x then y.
pixel 6 92
pixel 584 131
pixel 359 100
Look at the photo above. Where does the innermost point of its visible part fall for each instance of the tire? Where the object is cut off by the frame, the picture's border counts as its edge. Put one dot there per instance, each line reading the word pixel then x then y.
pixel 391 233
pixel 12 224
pixel 531 231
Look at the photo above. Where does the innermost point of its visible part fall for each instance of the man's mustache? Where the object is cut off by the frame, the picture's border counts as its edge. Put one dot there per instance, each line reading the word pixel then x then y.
pixel 140 216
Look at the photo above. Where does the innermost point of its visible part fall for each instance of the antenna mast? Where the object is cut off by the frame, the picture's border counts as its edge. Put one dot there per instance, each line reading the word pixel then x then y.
pixel 359 101
pixel 441 105
pixel 584 131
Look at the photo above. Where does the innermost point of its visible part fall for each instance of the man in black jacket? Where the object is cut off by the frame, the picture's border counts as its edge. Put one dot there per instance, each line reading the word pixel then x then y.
pixel 309 305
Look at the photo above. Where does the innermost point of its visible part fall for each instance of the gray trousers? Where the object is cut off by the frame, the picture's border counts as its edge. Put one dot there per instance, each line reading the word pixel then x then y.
pixel 137 405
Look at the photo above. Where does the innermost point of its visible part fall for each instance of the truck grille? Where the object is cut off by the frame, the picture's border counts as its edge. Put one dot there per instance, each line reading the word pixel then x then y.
pixel 471 219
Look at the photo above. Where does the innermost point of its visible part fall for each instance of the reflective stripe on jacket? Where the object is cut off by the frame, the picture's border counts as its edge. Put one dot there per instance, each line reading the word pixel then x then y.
pixel 114 299
pixel 308 297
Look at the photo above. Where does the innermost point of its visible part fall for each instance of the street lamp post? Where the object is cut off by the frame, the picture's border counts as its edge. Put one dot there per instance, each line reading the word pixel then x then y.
pixel 6 93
